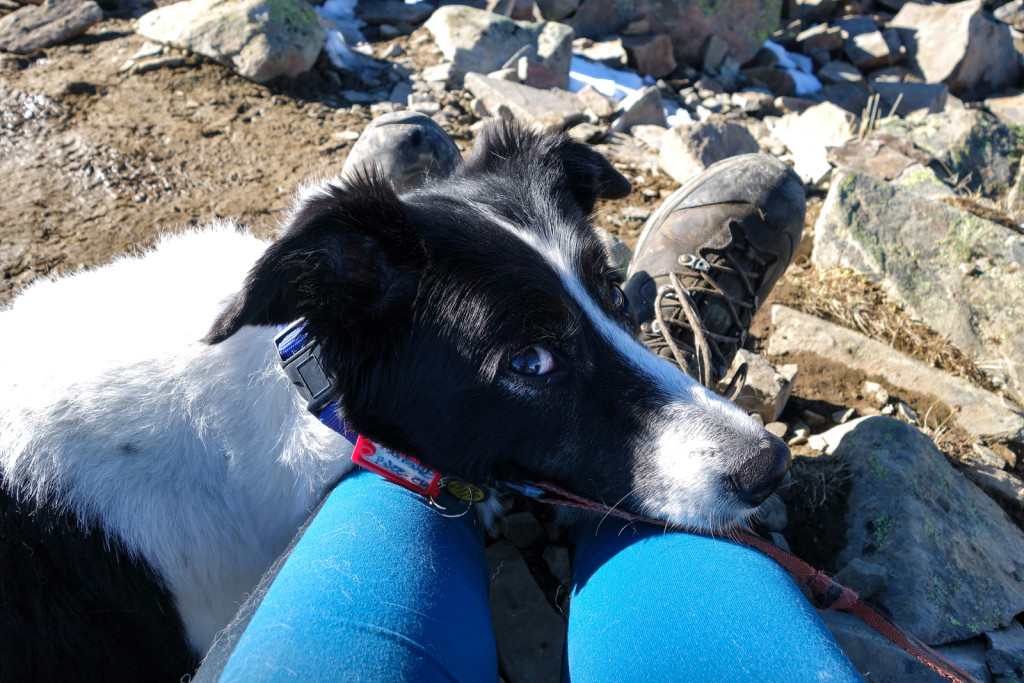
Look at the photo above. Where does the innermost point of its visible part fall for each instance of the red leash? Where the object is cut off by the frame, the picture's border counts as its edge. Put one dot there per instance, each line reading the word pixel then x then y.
pixel 829 593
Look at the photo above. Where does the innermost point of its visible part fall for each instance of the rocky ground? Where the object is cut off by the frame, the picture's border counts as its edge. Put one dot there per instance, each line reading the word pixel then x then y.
pixel 904 306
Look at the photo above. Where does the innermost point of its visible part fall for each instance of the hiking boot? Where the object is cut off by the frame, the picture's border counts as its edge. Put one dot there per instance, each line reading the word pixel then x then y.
pixel 407 147
pixel 708 257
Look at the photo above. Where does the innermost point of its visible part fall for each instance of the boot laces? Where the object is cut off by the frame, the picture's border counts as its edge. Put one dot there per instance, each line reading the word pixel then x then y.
pixel 677 320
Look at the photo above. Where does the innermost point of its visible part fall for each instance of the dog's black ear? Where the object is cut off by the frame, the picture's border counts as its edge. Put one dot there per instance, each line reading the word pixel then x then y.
pixel 576 167
pixel 348 262
pixel 590 176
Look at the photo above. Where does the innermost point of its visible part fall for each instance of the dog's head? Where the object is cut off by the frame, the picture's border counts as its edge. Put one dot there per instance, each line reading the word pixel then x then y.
pixel 476 325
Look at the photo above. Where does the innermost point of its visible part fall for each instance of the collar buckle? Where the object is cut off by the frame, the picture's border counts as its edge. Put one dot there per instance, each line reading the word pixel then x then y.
pixel 300 361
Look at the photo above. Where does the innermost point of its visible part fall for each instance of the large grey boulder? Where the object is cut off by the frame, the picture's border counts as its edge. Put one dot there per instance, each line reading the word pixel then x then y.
pixel 959 273
pixel 482 42
pixel 744 25
pixel 1006 653
pixel 259 39
pixel 877 658
pixel 959 45
pixel 955 561
pixel 32 28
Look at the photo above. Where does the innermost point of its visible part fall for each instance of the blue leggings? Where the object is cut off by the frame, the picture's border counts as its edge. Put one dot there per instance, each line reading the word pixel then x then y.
pixel 379 587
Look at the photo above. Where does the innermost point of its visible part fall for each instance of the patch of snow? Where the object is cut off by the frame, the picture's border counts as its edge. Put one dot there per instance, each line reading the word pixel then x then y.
pixel 606 80
pixel 621 85
pixel 800 67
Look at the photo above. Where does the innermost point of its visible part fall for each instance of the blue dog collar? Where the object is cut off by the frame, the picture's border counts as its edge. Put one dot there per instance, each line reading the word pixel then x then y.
pixel 300 359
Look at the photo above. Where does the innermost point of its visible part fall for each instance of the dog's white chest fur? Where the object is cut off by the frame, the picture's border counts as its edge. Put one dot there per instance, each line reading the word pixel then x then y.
pixel 201 458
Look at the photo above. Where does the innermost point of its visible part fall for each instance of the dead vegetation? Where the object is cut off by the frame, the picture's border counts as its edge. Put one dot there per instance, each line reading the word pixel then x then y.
pixel 841 296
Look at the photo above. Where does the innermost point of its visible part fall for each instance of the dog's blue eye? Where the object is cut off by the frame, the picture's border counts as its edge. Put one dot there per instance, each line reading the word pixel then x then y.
pixel 534 360
pixel 618 296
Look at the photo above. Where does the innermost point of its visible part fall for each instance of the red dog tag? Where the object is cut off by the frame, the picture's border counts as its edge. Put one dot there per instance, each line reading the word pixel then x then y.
pixel 397 468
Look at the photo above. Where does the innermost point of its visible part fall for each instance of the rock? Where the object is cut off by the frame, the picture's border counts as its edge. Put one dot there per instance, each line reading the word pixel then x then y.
pixel 554 109
pixel 752 101
pixel 865 46
pixel 914 248
pixel 742 24
pixel 393 12
pixel 557 559
pixel 828 441
pixel 986 456
pixel 821 37
pixel 873 655
pixel 535 74
pixel 923 181
pixel 876 393
pixel 955 561
pixel 625 150
pixel 903 99
pixel 556 10
pixel 1005 653
pixel 766 388
pixel 852 98
pixel 840 72
pixel 528 633
pixel 257 39
pixel 808 134
pixel 689 148
pixel 866 578
pixel 439 73
pixel 1004 487
pixel 1008 109
pixel 587 132
pixel 969 656
pixel 650 135
pixel 714 53
pixel 960 46
pixel 1011 14
pixel 841 417
pixel 608 52
pixel 876 156
pixel 816 10
pixel 778 429
pixel 522 529
pixel 979 412
pixel 906 413
pixel 642 108
pixel 771 514
pixel 478 41
pixel 32 28
pixel 779 81
pixel 554 48
pixel 508 74
pixel 650 54
pixel 602 107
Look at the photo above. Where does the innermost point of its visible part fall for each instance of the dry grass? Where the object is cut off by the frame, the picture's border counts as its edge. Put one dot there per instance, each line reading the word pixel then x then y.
pixel 843 297
pixel 817 483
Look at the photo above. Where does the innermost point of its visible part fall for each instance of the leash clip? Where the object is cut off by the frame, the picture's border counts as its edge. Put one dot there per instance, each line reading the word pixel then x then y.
pixel 456 497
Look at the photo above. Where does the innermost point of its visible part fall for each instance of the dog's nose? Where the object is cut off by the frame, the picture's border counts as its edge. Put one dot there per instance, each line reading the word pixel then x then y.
pixel 758 475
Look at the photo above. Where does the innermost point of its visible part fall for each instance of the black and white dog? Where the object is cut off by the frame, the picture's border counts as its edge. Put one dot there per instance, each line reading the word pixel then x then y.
pixel 155 460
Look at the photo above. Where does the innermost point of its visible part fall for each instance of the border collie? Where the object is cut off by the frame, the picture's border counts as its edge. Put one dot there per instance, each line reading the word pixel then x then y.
pixel 155 459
